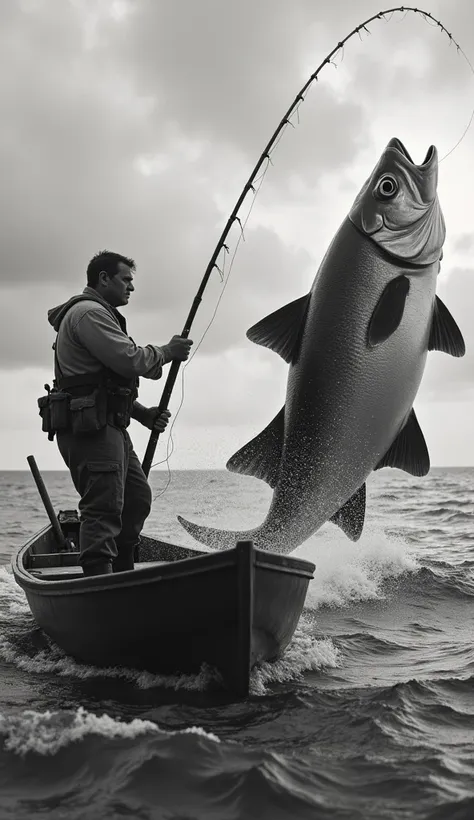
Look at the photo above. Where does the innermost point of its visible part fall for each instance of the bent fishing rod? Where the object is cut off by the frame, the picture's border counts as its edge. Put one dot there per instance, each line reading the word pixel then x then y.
pixel 249 186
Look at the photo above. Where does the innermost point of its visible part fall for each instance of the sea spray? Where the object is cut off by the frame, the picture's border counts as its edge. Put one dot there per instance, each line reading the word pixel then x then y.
pixel 305 653
pixel 347 573
pixel 13 601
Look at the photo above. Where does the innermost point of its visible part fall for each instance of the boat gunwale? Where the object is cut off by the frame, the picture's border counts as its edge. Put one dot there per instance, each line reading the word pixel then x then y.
pixel 202 563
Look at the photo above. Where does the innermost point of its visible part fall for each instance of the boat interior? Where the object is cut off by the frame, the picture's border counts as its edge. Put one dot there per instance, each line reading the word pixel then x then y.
pixel 46 560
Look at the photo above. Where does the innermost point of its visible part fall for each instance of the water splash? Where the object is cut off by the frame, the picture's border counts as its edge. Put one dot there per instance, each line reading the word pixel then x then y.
pixel 304 654
pixel 348 572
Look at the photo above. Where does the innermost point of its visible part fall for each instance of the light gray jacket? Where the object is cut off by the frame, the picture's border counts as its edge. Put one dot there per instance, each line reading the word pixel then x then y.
pixel 93 335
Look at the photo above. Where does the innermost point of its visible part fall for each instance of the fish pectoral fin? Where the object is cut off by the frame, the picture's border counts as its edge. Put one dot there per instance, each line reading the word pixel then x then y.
pixel 350 517
pixel 261 456
pixel 281 331
pixel 388 312
pixel 409 451
pixel 445 334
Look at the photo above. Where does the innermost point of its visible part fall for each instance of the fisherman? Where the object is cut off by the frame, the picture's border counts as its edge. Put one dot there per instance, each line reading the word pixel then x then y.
pixel 97 366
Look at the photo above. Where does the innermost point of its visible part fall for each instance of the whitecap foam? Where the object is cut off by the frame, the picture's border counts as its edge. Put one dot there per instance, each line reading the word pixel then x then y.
pixel 305 653
pixel 53 660
pixel 45 733
pixel 12 598
pixel 348 572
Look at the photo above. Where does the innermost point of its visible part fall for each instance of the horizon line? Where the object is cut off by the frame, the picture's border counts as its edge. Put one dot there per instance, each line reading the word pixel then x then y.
pixel 219 469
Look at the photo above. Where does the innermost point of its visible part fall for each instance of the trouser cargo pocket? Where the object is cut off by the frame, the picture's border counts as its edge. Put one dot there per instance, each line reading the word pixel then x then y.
pixel 104 485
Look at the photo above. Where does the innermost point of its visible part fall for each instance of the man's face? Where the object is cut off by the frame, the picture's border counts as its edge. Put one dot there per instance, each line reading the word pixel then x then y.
pixel 116 289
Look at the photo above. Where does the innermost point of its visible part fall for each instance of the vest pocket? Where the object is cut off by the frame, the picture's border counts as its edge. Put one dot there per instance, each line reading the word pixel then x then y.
pixel 89 413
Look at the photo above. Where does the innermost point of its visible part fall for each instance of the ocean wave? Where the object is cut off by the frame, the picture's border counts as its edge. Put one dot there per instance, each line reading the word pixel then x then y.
pixel 73 760
pixel 449 514
pixel 433 714
pixel 450 582
pixel 365 644
pixel 13 601
pixel 462 809
pixel 45 733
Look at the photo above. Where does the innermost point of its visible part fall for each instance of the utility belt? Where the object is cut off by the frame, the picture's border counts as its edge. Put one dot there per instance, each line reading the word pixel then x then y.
pixel 86 403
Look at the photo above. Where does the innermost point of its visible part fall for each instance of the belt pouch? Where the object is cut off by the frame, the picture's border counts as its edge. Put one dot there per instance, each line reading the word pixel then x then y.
pixel 120 405
pixel 59 411
pixel 44 411
pixel 89 413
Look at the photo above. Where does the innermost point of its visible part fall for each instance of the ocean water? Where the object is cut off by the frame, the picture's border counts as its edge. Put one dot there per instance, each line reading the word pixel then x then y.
pixel 369 714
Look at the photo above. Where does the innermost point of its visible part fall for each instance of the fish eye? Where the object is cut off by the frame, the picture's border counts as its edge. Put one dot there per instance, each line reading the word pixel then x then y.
pixel 386 187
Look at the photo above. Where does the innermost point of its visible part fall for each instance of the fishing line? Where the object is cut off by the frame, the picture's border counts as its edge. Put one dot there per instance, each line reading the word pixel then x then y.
pixel 434 23
pixel 241 238
pixel 250 186
pixel 472 112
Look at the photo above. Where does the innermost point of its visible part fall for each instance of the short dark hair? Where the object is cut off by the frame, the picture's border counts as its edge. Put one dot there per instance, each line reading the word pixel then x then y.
pixel 108 261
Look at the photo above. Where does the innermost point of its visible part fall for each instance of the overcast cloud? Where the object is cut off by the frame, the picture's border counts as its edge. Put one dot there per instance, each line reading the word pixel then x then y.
pixel 134 126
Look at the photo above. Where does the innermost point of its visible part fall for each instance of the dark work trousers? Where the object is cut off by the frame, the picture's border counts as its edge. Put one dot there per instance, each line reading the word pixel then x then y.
pixel 115 495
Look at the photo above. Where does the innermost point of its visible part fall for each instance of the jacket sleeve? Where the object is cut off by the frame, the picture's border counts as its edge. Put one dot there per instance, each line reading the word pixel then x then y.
pixel 100 334
pixel 138 411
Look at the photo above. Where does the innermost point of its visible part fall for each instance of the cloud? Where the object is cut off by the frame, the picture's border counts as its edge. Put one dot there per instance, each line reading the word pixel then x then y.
pixel 225 73
pixel 134 126
pixel 101 151
pixel 464 243
pixel 160 90
pixel 266 273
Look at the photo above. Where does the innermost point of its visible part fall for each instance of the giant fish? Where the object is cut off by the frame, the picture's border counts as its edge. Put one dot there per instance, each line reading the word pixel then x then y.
pixel 357 345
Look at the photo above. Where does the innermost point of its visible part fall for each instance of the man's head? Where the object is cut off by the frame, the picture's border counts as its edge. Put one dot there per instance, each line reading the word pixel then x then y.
pixel 111 275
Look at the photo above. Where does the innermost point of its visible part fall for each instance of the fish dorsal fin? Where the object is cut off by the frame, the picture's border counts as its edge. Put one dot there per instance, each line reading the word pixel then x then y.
pixel 281 330
pixel 350 518
pixel 409 451
pixel 445 334
pixel 261 456
pixel 388 312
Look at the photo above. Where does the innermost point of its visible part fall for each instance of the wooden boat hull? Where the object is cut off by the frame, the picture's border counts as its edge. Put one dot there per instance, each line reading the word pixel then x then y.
pixel 176 610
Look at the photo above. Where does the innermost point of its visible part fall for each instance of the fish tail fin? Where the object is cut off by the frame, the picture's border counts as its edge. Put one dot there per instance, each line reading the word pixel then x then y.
pixel 217 539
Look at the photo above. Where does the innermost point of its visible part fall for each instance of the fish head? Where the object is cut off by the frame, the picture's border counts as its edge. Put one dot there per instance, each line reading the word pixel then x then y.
pixel 398 206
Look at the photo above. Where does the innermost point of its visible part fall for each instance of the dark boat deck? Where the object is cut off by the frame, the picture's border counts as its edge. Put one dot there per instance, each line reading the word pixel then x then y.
pixel 70 573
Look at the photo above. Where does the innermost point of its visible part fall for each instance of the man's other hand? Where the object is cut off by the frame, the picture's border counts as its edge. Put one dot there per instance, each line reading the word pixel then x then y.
pixel 153 418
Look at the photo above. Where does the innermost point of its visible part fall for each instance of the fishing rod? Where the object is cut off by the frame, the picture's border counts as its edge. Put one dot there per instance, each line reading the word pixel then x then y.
pixel 249 186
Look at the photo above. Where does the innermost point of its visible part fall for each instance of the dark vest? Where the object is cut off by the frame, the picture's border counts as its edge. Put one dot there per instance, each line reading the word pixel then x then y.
pixel 84 383
pixel 118 392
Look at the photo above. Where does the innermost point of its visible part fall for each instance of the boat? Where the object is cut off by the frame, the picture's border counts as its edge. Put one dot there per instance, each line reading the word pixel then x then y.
pixel 178 609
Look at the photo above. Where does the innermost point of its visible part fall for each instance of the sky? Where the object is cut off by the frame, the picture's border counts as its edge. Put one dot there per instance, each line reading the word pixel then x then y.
pixel 134 126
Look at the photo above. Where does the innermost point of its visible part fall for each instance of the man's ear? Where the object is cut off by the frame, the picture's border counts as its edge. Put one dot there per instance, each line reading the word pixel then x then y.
pixel 103 277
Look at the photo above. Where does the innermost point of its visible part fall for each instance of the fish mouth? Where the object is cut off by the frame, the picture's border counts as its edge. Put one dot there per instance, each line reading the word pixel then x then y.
pixel 409 226
pixel 399 146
